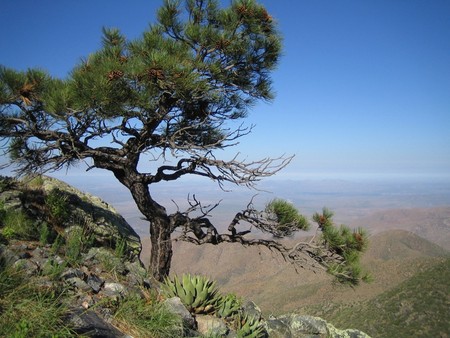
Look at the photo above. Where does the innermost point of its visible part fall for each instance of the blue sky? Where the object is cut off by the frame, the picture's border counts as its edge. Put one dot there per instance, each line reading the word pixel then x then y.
pixel 363 88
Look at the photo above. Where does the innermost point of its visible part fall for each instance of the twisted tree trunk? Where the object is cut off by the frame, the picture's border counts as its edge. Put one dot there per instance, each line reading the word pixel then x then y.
pixel 161 250
pixel 160 229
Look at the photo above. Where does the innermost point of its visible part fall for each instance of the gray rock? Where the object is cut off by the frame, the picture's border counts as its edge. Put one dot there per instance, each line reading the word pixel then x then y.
pixel 301 326
pixel 136 273
pixel 305 325
pixel 278 329
pixel 114 290
pixel 11 200
pixel 71 273
pixel 95 282
pixel 79 284
pixel 9 256
pixel 24 255
pixel 349 333
pixel 39 253
pixel 30 268
pixel 58 260
pixel 211 326
pixel 175 306
pixel 104 259
pixel 88 323
pixel 251 310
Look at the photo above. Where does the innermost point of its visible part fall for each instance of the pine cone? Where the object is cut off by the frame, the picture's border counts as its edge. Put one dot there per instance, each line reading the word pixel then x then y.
pixel 156 74
pixel 114 75
pixel 123 59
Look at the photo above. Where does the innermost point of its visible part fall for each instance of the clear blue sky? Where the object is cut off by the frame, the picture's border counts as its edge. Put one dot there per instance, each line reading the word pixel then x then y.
pixel 363 86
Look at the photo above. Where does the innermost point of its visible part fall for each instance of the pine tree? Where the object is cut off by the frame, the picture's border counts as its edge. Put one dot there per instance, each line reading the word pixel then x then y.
pixel 170 94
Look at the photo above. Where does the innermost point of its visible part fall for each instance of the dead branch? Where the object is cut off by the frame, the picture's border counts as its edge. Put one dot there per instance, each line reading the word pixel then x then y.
pixel 199 230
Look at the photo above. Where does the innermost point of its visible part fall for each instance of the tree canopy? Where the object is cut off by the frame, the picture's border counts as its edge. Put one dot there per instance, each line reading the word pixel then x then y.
pixel 172 94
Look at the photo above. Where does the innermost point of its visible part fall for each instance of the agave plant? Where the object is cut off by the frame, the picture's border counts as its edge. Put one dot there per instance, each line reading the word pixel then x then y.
pixel 249 327
pixel 228 306
pixel 197 293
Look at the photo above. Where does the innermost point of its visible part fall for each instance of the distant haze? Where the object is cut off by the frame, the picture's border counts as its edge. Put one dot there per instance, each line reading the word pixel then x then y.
pixel 349 199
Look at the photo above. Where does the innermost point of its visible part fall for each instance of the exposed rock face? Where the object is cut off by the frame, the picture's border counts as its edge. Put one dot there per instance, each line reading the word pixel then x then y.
pixel 299 326
pixel 108 226
pixel 85 211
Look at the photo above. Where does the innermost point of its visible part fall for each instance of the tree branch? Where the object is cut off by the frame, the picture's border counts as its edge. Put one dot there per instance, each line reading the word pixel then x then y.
pixel 314 254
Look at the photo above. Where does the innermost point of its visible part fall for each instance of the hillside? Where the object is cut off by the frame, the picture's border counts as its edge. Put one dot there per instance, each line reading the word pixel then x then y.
pixel 275 286
pixel 430 223
pixel 417 307
pixel 409 296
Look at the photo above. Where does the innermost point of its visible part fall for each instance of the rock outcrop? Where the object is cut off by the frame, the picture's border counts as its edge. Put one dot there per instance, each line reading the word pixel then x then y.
pixel 83 211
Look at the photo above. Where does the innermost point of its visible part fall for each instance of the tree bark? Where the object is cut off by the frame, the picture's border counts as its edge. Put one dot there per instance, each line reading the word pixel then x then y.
pixel 160 230
pixel 161 250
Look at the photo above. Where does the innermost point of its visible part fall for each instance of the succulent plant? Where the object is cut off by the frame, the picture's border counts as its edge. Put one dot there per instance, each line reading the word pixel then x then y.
pixel 249 327
pixel 228 306
pixel 197 293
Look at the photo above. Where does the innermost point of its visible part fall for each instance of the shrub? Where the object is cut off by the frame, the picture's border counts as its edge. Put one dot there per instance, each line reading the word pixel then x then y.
pixel 197 293
pixel 57 244
pixel 228 306
pixel 44 233
pixel 36 182
pixel 78 241
pixel 57 205
pixel 146 317
pixel 120 248
pixel 53 269
pixel 6 183
pixel 27 311
pixel 17 225
pixel 249 327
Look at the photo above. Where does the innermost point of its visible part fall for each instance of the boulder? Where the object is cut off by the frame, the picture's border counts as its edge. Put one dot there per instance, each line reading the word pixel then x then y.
pixel 277 328
pixel 301 326
pixel 211 326
pixel 176 306
pixel 90 324
pixel 252 310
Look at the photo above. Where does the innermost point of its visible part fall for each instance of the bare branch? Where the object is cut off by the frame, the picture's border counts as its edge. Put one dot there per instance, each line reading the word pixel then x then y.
pixel 234 171
pixel 313 254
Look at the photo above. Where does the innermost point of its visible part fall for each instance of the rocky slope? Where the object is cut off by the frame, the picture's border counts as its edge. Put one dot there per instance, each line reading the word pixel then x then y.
pixel 62 239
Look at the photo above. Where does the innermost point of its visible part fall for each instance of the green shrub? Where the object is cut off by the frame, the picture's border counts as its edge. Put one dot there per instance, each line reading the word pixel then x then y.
pixel 197 293
pixel 57 205
pixel 120 248
pixel 79 240
pixel 6 183
pixel 26 310
pixel 57 244
pixel 17 225
pixel 44 233
pixel 249 327
pixel 228 306
pixel 109 261
pixel 36 182
pixel 146 317
pixel 2 211
pixel 53 269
